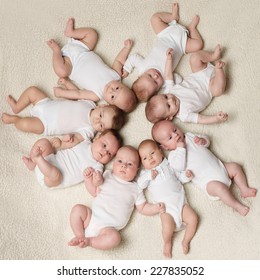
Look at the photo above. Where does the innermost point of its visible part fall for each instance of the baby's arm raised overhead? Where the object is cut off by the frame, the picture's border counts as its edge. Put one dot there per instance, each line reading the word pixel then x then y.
pixel 149 209
pixel 122 57
pixel 93 179
pixel 68 141
pixel 168 71
pixel 219 117
pixel 75 94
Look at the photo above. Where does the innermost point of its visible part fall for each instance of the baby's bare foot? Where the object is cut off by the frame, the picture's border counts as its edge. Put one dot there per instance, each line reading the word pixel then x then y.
pixel 58 91
pixel 62 81
pixel 69 27
pixel 242 209
pixel 83 242
pixel 29 163
pixel 74 241
pixel 217 53
pixel 185 247
pixel 175 12
pixel 194 23
pixel 167 250
pixel 12 102
pixel 249 192
pixel 36 153
pixel 8 119
pixel 53 45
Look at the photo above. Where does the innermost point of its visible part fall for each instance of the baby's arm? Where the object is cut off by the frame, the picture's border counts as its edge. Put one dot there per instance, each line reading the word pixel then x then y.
pixel 219 117
pixel 93 179
pixel 75 94
pixel 133 60
pixel 168 71
pixel 122 57
pixel 67 83
pixel 68 141
pixel 149 209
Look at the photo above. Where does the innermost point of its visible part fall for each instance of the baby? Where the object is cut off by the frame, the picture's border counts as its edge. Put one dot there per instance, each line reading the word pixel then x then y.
pixel 81 64
pixel 65 167
pixel 164 186
pixel 210 174
pixel 186 100
pixel 116 194
pixel 170 34
pixel 57 117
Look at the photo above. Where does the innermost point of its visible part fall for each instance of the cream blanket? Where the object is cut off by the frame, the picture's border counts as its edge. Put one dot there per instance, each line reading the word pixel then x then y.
pixel 34 222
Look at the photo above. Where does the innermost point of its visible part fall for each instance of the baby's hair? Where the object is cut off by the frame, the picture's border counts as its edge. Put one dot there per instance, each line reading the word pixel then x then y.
pixel 115 133
pixel 119 119
pixel 150 110
pixel 140 91
pixel 147 141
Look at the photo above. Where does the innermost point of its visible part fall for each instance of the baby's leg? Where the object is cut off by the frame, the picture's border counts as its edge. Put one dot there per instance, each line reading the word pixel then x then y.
pixel 190 218
pixel 237 174
pixel 26 124
pixel 200 59
pixel 108 238
pixel 31 95
pixel 194 41
pixel 79 219
pixel 52 175
pixel 87 35
pixel 61 65
pixel 216 188
pixel 159 21
pixel 217 84
pixel 168 227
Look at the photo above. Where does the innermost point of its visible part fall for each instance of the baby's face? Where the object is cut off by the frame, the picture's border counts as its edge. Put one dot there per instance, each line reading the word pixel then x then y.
pixel 151 155
pixel 167 106
pixel 167 134
pixel 118 94
pixel 101 118
pixel 126 164
pixel 104 147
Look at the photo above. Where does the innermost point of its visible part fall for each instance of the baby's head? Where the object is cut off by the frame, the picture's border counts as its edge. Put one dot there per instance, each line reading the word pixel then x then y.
pixel 147 84
pixel 107 116
pixel 167 134
pixel 105 145
pixel 150 153
pixel 118 94
pixel 162 107
pixel 126 163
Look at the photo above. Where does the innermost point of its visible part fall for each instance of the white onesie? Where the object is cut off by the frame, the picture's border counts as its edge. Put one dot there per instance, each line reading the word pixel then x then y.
pixel 206 167
pixel 175 37
pixel 65 116
pixel 88 69
pixel 166 188
pixel 71 162
pixel 114 204
pixel 193 93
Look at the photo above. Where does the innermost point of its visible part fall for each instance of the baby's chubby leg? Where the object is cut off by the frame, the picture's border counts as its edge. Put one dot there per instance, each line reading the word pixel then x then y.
pixel 86 35
pixel 194 41
pixel 79 220
pixel 168 227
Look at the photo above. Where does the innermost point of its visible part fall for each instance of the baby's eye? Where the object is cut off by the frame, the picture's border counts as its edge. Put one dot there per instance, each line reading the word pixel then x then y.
pixel 130 164
pixel 120 161
pixel 104 145
pixel 117 88
pixel 152 153
pixel 112 97
pixel 100 115
pixel 144 158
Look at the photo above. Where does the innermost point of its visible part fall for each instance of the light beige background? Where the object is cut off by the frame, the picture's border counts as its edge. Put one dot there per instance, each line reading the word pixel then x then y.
pixel 34 222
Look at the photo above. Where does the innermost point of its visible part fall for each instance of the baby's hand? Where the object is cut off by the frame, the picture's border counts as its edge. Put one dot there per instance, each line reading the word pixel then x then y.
pixel 58 91
pixel 200 141
pixel 181 145
pixel 221 116
pixel 189 174
pixel 62 81
pixel 128 43
pixel 88 172
pixel 169 53
pixel 124 73
pixel 154 173
pixel 161 207
pixel 97 177
pixel 55 142
pixel 68 138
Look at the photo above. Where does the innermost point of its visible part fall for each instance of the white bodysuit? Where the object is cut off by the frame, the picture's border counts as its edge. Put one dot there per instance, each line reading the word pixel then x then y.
pixel 71 162
pixel 206 167
pixel 88 69
pixel 175 37
pixel 193 93
pixel 65 116
pixel 114 204
pixel 166 188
